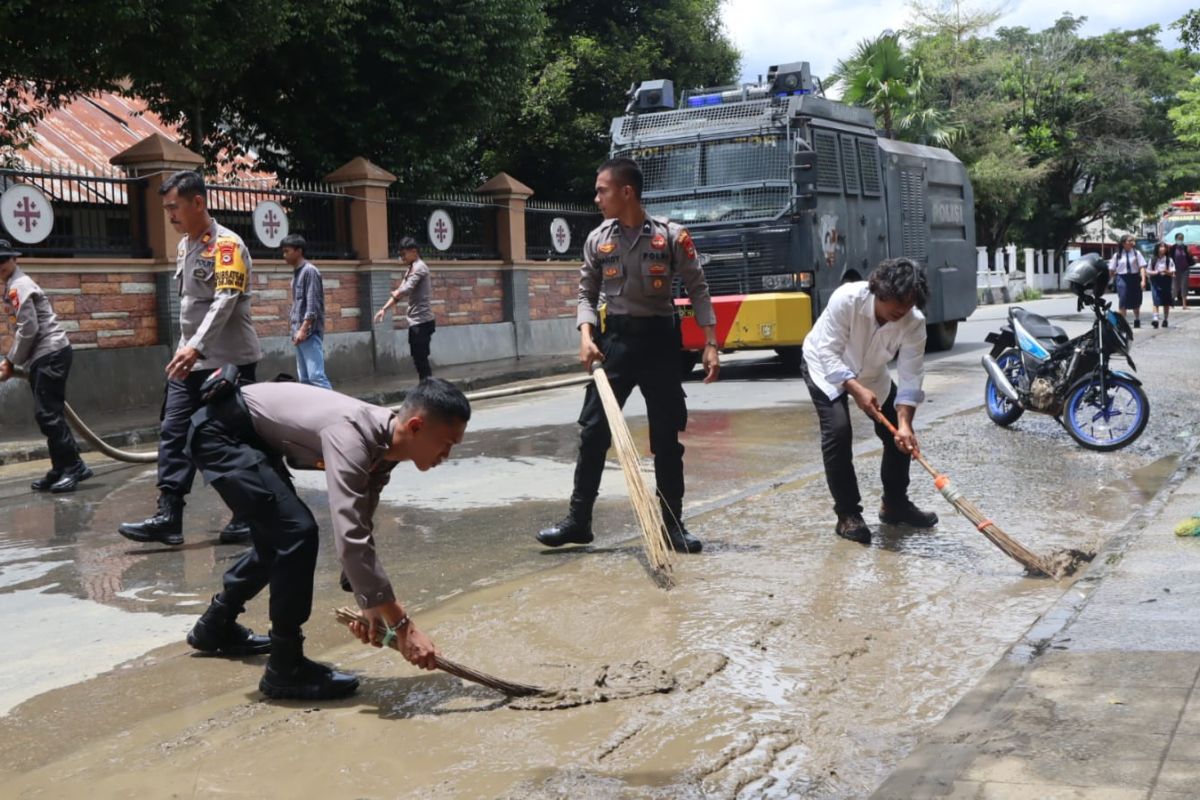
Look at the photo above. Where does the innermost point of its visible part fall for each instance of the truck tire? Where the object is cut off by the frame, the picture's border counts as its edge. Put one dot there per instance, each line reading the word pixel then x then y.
pixel 790 357
pixel 940 336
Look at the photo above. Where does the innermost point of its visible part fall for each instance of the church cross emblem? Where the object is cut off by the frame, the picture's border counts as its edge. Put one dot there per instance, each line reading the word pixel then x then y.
pixel 271 223
pixel 26 214
pixel 440 230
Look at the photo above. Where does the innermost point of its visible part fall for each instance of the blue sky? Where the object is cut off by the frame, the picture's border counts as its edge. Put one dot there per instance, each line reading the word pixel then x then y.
pixel 822 31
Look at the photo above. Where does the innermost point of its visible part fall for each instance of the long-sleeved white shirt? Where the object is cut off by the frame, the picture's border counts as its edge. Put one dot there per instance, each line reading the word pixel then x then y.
pixel 848 342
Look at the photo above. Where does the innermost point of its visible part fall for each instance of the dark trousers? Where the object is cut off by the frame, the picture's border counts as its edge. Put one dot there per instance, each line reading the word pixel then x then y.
pixel 181 399
pixel 48 381
pixel 419 337
pixel 283 533
pixel 837 450
pixel 642 353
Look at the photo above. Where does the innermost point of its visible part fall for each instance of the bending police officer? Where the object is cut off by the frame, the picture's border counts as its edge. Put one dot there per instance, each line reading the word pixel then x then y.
pixel 239 441
pixel 212 269
pixel 631 260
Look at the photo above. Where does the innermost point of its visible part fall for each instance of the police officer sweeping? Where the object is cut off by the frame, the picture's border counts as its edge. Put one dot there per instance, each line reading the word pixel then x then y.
pixel 631 260
pixel 40 344
pixel 240 440
pixel 212 269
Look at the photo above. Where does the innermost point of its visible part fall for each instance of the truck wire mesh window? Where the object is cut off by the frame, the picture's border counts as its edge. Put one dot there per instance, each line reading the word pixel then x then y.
pixel 829 178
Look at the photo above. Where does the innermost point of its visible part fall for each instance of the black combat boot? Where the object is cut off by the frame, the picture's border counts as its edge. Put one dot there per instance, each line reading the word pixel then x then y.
pixel 166 526
pixel 852 527
pixel 906 514
pixel 680 540
pixel 574 528
pixel 677 535
pixel 70 478
pixel 291 676
pixel 44 483
pixel 218 631
pixel 236 532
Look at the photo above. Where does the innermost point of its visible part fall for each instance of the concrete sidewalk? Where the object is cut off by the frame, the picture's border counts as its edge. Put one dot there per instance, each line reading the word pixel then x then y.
pixel 1099 699
pixel 139 426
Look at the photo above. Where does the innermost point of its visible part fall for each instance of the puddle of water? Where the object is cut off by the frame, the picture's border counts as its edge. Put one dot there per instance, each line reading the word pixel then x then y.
pixel 90 639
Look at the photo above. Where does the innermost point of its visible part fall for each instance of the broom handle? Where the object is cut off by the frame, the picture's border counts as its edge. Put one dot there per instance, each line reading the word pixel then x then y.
pixel 916 452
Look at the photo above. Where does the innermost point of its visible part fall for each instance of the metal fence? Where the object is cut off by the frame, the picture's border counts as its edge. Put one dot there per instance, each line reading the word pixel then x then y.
pixel 314 211
pixel 93 214
pixel 465 228
pixel 557 231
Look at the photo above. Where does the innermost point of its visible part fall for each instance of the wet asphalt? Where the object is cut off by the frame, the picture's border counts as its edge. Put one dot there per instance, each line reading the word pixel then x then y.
pixel 753 468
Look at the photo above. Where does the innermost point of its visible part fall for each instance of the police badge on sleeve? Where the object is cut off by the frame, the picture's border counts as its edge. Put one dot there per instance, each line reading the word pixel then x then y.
pixel 231 272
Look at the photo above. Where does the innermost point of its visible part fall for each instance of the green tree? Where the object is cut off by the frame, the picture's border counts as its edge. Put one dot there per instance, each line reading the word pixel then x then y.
pixel 590 54
pixel 881 76
pixel 50 55
pixel 303 84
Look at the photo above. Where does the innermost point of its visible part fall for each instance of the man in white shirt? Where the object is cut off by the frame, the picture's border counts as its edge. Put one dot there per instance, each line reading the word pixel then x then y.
pixel 864 327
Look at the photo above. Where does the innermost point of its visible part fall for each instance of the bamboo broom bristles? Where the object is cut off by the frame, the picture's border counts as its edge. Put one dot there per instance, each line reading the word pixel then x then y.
pixel 645 503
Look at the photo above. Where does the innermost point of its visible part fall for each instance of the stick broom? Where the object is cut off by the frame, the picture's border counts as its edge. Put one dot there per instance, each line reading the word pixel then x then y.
pixel 348 615
pixel 1033 563
pixel 645 502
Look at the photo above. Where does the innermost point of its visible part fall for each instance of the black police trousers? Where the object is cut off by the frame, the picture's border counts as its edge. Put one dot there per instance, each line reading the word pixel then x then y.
pixel 283 533
pixel 419 337
pixel 837 450
pixel 48 381
pixel 181 399
pixel 643 353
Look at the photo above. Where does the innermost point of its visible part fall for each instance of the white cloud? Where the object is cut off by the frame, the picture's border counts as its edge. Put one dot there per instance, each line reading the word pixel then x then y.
pixel 822 31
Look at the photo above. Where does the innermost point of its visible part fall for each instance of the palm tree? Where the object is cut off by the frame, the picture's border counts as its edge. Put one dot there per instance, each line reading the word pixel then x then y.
pixel 881 76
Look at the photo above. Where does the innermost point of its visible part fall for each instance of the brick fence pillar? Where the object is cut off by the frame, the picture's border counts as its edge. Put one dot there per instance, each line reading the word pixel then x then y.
pixel 367 184
pixel 154 159
pixel 510 195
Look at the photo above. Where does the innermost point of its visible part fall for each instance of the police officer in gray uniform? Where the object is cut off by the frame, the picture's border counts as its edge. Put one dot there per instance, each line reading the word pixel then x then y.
pixel 631 260
pixel 40 344
pixel 212 269
pixel 240 440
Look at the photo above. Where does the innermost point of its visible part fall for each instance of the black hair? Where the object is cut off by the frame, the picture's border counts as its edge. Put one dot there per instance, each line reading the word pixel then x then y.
pixel 294 240
pixel 440 399
pixel 188 183
pixel 1179 235
pixel 1164 246
pixel 625 172
pixel 408 243
pixel 900 279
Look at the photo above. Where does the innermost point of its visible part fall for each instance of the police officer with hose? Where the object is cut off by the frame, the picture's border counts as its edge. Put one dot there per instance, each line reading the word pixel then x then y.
pixel 631 259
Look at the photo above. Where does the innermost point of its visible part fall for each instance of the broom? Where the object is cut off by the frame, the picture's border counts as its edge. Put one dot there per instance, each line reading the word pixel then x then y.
pixel 1034 564
pixel 645 503
pixel 349 615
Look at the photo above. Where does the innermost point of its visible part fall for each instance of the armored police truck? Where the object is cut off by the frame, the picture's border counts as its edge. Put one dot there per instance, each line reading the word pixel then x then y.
pixel 788 195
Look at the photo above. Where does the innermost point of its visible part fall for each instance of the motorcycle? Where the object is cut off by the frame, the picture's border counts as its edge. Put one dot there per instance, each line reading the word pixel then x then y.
pixel 1034 366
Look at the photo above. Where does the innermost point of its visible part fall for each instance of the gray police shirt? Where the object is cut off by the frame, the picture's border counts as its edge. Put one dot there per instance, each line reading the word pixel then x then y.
pixel 634 277
pixel 214 275
pixel 315 427
pixel 416 287
pixel 36 331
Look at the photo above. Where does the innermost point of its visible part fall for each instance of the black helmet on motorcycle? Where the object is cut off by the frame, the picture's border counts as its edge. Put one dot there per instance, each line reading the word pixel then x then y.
pixel 1087 274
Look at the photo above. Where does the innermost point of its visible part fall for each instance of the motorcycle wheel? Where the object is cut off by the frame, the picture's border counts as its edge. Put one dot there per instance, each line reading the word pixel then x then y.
pixel 1110 425
pixel 1000 409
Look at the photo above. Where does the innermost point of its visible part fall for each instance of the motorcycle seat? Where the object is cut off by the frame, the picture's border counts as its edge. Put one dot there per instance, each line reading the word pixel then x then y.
pixel 1038 326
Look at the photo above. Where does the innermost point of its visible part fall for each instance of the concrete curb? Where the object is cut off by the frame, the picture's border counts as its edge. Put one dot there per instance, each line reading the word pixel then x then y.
pixel 147 434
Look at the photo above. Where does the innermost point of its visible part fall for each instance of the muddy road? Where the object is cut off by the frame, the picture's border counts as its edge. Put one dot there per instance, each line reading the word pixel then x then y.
pixel 799 665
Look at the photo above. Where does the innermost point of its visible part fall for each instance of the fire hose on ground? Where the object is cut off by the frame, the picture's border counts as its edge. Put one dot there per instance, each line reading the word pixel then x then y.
pixel 151 457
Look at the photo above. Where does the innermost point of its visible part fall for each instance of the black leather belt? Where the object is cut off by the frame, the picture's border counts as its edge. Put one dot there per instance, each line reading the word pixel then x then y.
pixel 623 323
